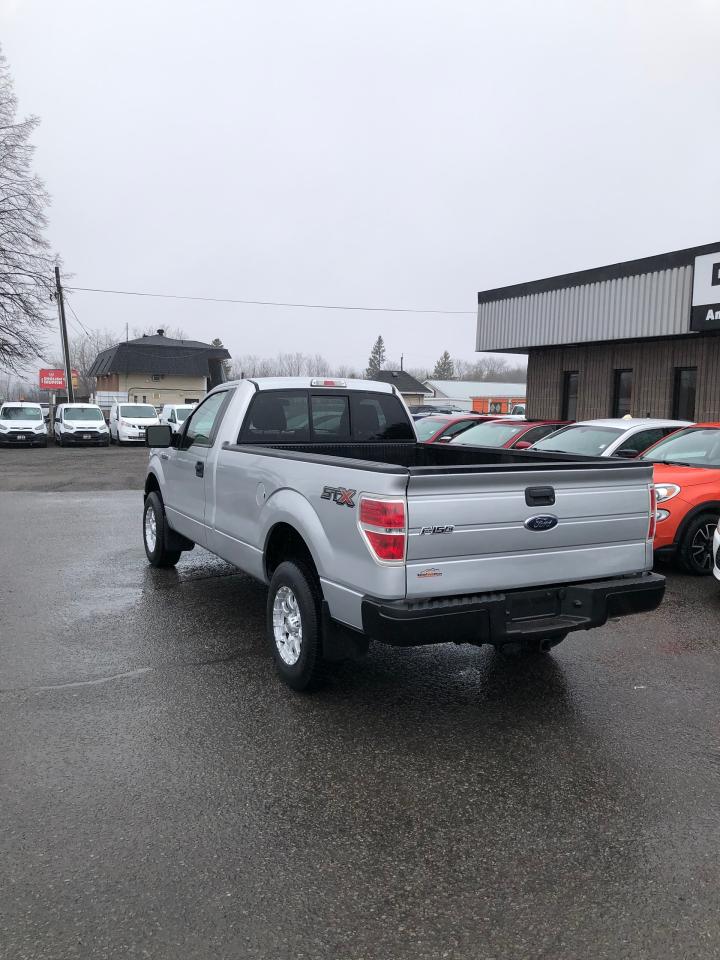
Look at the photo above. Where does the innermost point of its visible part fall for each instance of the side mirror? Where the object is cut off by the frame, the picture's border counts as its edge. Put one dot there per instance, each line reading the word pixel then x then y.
pixel 158 435
pixel 628 453
pixel 523 445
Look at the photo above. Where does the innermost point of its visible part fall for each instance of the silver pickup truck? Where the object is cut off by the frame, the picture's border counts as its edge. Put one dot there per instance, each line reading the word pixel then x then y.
pixel 320 489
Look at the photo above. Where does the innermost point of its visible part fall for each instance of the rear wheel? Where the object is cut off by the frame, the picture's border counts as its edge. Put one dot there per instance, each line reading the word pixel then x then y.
pixel 293 626
pixel 154 525
pixel 695 551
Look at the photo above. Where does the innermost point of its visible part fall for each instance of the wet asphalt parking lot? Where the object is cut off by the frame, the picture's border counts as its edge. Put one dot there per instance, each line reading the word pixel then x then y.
pixel 163 794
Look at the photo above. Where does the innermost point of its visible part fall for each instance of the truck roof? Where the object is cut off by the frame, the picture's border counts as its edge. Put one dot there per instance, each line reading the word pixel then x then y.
pixel 306 383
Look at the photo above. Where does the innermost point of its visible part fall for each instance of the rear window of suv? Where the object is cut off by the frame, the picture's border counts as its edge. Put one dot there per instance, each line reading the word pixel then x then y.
pixel 300 416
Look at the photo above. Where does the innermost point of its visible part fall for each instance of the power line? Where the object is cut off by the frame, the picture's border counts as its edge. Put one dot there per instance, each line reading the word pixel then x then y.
pixel 72 310
pixel 270 303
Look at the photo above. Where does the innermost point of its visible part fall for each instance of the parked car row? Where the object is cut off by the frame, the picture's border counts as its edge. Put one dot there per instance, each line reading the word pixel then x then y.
pixel 23 424
pixel 686 472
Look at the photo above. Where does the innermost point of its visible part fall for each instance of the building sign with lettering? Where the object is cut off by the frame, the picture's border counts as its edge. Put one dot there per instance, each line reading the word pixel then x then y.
pixel 705 314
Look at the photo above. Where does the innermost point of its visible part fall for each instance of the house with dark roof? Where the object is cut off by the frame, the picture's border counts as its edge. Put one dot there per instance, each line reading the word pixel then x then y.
pixel 412 391
pixel 158 369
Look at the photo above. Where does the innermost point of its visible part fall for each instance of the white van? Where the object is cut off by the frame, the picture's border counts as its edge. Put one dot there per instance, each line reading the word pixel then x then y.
pixel 129 420
pixel 22 423
pixel 175 415
pixel 80 423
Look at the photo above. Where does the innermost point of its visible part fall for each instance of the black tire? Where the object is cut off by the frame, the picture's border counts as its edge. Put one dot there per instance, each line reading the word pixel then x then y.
pixel 308 670
pixel 529 646
pixel 695 550
pixel 156 552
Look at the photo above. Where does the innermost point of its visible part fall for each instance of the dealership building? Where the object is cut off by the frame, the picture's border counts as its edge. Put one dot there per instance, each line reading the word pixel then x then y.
pixel 639 338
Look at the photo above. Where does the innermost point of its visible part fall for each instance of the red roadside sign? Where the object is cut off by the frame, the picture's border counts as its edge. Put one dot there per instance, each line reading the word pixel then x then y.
pixel 55 379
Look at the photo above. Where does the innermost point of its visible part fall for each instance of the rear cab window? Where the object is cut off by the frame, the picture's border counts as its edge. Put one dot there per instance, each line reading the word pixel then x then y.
pixel 308 416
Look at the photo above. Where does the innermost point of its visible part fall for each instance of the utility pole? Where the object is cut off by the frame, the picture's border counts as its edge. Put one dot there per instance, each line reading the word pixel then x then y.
pixel 402 357
pixel 63 334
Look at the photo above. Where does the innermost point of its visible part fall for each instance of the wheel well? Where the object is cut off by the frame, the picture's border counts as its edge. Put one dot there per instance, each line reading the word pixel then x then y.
pixel 151 483
pixel 712 506
pixel 285 543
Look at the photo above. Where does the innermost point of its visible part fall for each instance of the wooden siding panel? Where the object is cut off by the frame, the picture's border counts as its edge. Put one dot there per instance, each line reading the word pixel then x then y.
pixel 653 363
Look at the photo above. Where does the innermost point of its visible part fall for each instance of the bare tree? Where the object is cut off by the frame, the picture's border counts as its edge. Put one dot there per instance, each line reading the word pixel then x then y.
pixel 284 365
pixel 26 266
pixel 84 348
pixel 489 368
pixel 464 369
pixel 347 372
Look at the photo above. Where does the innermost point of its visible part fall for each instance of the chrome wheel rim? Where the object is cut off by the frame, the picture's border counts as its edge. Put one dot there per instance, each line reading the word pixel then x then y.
pixel 287 626
pixel 150 529
pixel 701 547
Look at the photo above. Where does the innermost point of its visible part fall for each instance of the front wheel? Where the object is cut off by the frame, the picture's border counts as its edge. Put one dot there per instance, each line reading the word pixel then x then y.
pixel 154 533
pixel 696 547
pixel 293 626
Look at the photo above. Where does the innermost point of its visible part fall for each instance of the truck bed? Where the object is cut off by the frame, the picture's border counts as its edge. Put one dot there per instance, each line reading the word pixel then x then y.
pixel 426 458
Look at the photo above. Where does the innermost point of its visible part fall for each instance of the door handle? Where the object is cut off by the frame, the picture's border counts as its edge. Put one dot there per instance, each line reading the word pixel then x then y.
pixel 539 496
pixel 164 456
pixel 199 468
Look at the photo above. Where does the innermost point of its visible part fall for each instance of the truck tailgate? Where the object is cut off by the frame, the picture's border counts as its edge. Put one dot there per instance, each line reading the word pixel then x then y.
pixel 469 531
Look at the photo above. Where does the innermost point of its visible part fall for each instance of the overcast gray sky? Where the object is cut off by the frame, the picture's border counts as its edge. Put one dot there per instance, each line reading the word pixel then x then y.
pixel 390 152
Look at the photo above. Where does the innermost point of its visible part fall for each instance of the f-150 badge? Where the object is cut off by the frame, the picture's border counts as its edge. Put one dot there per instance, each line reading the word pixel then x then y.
pixel 439 528
pixel 339 495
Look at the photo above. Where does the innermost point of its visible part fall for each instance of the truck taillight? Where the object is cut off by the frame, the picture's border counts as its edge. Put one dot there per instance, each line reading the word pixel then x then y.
pixel 653 513
pixel 383 525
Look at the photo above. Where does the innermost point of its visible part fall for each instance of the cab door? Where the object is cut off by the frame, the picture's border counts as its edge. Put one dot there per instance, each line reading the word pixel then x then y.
pixel 184 468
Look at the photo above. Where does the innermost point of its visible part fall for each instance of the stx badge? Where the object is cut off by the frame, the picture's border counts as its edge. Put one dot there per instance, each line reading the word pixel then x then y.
pixel 339 495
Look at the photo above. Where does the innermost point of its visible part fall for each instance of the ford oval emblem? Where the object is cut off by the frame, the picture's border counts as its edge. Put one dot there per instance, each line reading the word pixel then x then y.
pixel 545 521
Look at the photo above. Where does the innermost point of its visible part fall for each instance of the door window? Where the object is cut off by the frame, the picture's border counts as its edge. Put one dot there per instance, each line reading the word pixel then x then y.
pixel 641 441
pixel 456 428
pixel 537 433
pixel 205 420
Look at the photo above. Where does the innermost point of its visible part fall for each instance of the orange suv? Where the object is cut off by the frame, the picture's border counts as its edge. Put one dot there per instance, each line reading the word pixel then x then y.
pixel 687 483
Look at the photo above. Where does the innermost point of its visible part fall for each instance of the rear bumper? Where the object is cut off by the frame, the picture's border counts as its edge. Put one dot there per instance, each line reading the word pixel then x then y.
pixel 505 617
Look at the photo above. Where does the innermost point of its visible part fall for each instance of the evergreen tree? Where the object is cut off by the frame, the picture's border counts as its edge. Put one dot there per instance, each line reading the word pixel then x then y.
pixel 376 360
pixel 227 365
pixel 444 368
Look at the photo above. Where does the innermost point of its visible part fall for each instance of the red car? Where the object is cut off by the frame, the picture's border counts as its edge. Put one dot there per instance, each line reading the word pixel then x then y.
pixel 687 484
pixel 441 428
pixel 519 434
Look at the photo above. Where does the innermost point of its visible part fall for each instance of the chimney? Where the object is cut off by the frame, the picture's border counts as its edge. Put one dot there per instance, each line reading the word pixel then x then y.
pixel 161 331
